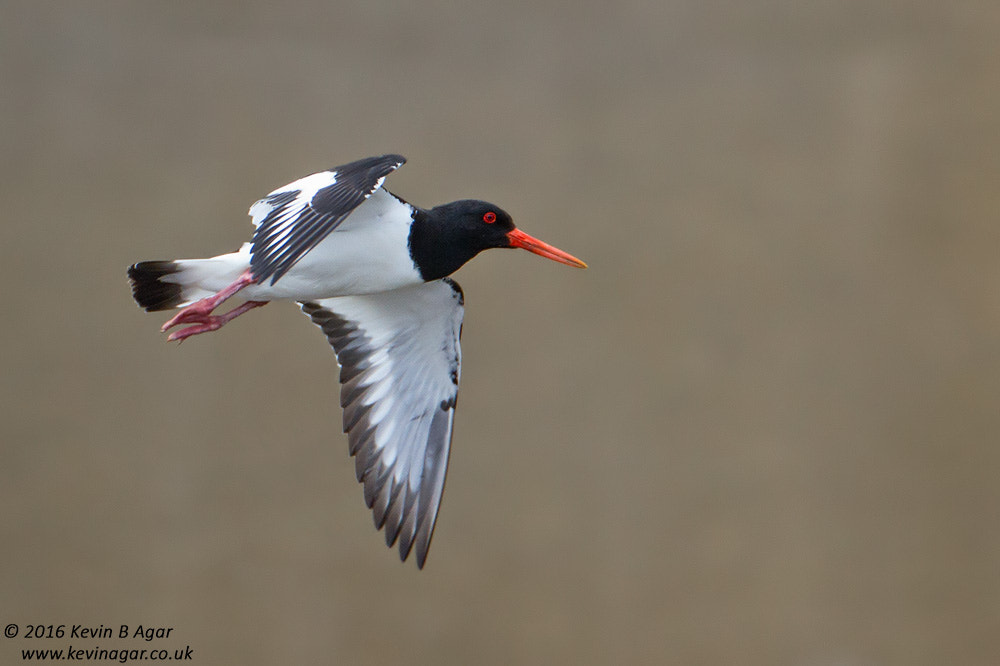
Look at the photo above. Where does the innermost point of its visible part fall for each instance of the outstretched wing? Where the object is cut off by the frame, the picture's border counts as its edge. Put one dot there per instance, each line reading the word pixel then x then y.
pixel 400 362
pixel 293 219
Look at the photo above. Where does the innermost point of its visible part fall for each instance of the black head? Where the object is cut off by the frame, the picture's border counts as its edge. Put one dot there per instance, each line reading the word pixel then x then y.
pixel 443 238
pixel 478 224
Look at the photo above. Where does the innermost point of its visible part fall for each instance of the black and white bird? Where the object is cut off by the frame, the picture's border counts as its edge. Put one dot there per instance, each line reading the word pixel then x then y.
pixel 371 270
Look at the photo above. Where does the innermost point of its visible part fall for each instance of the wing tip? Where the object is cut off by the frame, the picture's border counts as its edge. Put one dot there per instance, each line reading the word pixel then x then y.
pixel 392 160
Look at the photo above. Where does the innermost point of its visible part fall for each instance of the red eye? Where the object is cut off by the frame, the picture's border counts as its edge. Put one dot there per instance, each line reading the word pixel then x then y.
pixel 490 217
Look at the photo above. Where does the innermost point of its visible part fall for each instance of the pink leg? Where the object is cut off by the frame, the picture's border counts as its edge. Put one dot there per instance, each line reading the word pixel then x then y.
pixel 208 323
pixel 199 310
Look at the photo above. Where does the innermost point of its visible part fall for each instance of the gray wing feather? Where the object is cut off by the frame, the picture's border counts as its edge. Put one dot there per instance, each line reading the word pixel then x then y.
pixel 400 362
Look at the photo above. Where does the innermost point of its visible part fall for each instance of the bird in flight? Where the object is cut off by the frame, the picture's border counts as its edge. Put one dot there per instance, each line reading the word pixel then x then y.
pixel 371 270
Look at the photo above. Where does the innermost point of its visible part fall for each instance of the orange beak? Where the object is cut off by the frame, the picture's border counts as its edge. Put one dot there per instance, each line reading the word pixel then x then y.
pixel 522 240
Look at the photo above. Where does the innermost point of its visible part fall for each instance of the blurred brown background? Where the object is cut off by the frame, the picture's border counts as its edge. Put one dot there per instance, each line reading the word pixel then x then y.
pixel 762 428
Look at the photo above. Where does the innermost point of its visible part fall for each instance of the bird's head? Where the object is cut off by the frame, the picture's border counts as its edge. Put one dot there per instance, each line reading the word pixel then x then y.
pixel 467 227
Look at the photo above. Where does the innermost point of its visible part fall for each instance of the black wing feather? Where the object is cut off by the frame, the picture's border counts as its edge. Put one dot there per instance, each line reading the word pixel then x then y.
pixel 295 218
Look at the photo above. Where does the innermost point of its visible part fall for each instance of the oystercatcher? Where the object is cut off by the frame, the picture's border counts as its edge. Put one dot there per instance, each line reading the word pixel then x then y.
pixel 371 270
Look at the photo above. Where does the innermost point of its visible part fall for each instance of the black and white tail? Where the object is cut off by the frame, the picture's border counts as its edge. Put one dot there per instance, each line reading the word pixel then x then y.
pixel 165 285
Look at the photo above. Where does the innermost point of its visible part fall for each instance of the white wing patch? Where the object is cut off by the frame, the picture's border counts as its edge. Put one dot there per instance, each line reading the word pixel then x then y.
pixel 305 189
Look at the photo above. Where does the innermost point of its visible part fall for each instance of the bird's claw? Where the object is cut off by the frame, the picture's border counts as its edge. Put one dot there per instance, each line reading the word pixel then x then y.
pixel 204 325
pixel 197 312
pixel 203 322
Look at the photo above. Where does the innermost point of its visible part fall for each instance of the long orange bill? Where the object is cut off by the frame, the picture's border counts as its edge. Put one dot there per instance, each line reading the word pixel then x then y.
pixel 522 240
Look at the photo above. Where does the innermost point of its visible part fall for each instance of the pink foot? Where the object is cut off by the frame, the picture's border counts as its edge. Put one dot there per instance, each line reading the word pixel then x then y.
pixel 197 311
pixel 201 310
pixel 207 322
